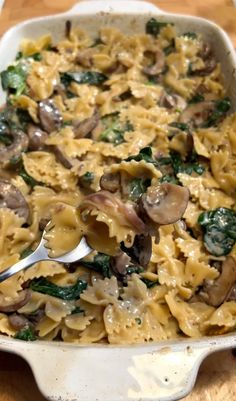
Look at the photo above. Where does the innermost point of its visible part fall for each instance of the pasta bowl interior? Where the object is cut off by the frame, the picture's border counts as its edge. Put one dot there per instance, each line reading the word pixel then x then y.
pixel 120 127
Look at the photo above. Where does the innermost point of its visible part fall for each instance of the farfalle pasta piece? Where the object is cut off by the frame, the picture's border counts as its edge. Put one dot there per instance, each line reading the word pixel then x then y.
pixel 102 292
pixel 5 326
pixel 196 272
pixel 43 269
pixel 223 168
pixel 45 326
pixel 29 47
pixel 190 316
pixel 71 147
pixel 57 309
pixel 222 320
pixel 64 232
pixel 41 80
pixel 121 218
pixel 42 166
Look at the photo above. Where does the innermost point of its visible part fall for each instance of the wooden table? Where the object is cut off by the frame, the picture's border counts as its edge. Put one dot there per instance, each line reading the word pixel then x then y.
pixel 217 376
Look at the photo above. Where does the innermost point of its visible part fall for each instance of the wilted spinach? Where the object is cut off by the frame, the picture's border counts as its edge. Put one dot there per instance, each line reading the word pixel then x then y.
pixel 222 106
pixel 14 79
pixel 68 293
pixel 114 130
pixel 137 187
pixel 83 77
pixel 26 334
pixel 100 264
pixel 153 26
pixel 219 227
pixel 144 154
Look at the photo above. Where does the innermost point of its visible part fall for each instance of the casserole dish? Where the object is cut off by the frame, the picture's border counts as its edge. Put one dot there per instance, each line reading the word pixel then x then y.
pixel 163 371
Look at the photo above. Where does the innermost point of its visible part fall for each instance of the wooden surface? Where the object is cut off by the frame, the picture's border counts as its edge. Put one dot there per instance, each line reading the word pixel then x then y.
pixel 217 376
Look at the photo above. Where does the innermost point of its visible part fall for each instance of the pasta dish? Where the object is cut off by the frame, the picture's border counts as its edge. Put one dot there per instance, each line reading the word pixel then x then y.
pixel 130 141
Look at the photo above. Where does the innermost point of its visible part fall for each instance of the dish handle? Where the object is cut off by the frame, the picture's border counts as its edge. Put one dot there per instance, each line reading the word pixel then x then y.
pixel 128 6
pixel 89 373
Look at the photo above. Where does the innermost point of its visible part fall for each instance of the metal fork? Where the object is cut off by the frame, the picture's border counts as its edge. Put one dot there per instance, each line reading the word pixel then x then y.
pixel 41 253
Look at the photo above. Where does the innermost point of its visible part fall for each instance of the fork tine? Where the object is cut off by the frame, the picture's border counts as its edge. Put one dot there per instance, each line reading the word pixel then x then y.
pixel 82 250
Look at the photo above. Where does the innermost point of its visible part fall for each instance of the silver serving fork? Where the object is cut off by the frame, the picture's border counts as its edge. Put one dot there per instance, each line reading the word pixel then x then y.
pixel 41 253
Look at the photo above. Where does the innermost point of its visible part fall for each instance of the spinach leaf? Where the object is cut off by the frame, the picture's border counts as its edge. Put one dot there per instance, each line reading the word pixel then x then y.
pixel 77 310
pixel 150 283
pixel 181 126
pixel 27 178
pixel 144 154
pixel 153 26
pixel 196 99
pixel 219 227
pixel 222 106
pixel 83 77
pixel 191 35
pixel 26 334
pixel 100 264
pixel 170 48
pixel 169 178
pixel 137 187
pixel 68 293
pixel 34 56
pixel 14 79
pixel 114 131
pixel 86 179
pixel 187 168
pixel 134 269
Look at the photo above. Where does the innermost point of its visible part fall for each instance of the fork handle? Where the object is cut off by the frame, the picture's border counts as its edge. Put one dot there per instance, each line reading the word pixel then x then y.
pixel 21 265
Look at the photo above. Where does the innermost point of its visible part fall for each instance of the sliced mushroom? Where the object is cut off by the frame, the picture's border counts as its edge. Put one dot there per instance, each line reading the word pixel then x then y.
pixel 210 65
pixel 61 157
pixel 181 141
pixel 110 182
pixel 120 262
pixel 116 68
pixel 7 306
pixel 37 137
pixel 172 101
pixel 49 116
pixel 216 292
pixel 84 57
pixel 113 206
pixel 141 250
pixel 165 203
pixel 12 198
pixel 19 145
pixel 158 65
pixel 83 128
pixel 197 114
pixel 18 322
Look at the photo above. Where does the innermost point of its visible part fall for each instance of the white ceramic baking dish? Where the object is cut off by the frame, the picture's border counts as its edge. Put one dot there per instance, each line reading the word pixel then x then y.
pixel 157 371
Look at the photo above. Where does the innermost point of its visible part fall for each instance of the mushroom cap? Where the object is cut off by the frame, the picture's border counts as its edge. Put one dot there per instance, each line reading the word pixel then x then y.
pixel 165 203
pixel 12 198
pixel 141 250
pixel 110 182
pixel 19 145
pixel 49 116
pixel 197 114
pixel 83 128
pixel 158 65
pixel 37 137
pixel 217 292
pixel 15 304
